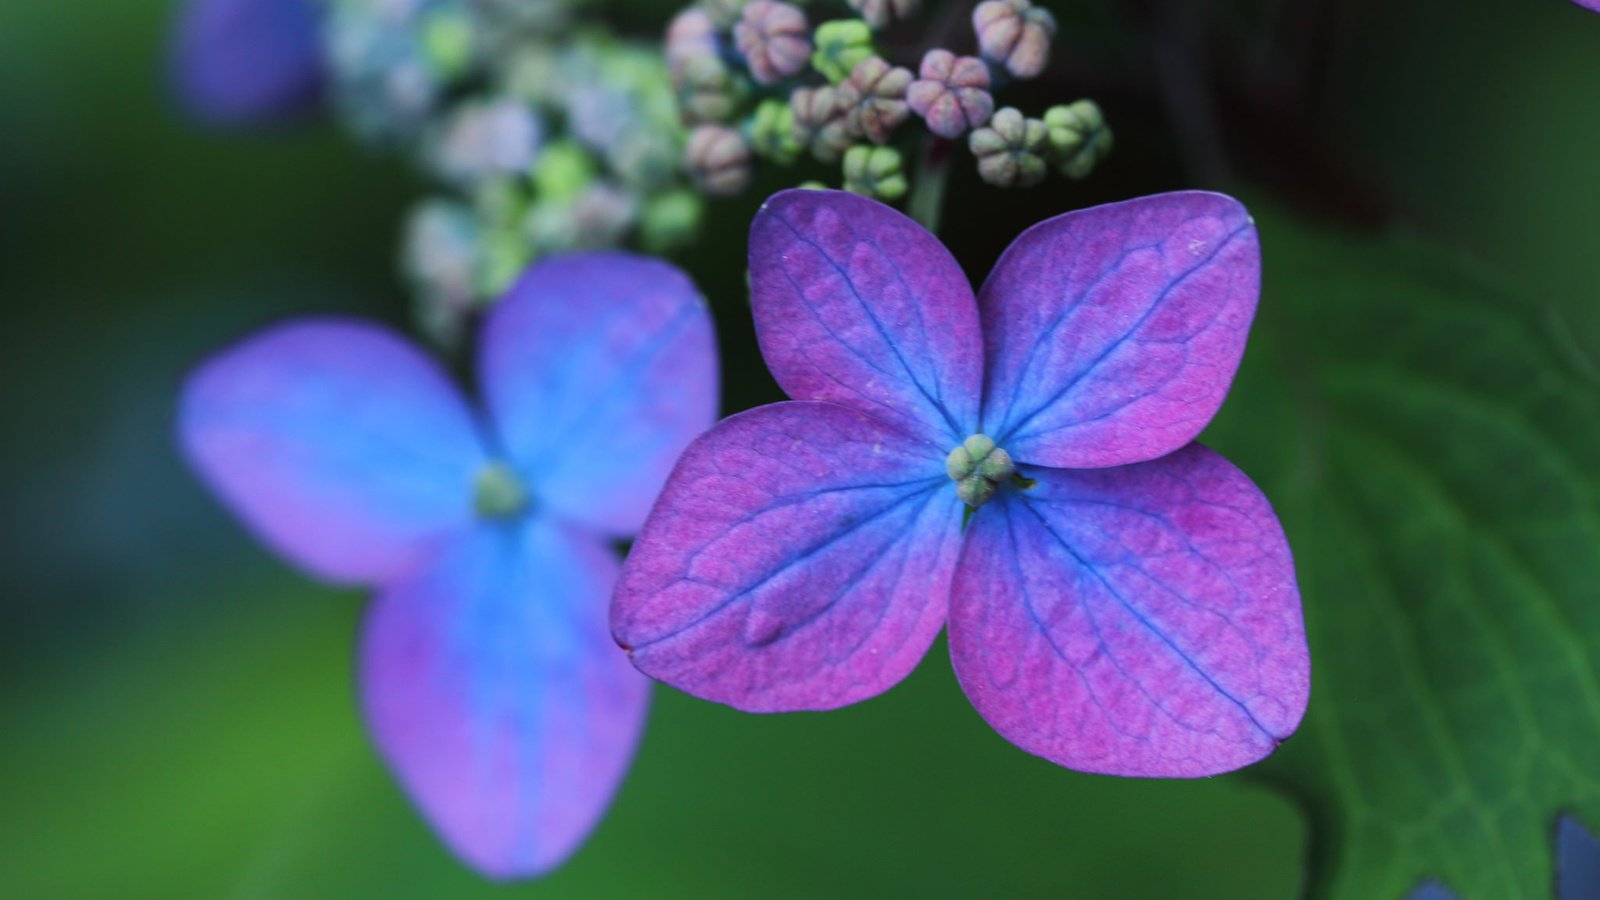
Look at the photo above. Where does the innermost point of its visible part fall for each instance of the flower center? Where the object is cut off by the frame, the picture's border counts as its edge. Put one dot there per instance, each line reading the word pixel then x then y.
pixel 978 467
pixel 497 492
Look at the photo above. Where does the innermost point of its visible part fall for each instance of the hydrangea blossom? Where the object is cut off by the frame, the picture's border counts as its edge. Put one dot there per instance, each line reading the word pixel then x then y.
pixel 487 678
pixel 1122 599
pixel 247 62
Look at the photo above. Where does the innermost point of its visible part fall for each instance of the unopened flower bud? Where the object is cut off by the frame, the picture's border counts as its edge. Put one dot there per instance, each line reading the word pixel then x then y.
pixel 952 94
pixel 975 490
pixel 670 220
pixel 880 13
pixel 1078 136
pixel 690 34
pixel 717 160
pixel 772 132
pixel 504 253
pixel 448 42
pixel 603 214
pixel 773 38
pixel 873 98
pixel 723 13
pixel 1010 150
pixel 875 172
pixel 978 468
pixel 484 140
pixel 1015 34
pixel 440 258
pixel 841 44
pixel 819 123
pixel 562 170
pixel 710 91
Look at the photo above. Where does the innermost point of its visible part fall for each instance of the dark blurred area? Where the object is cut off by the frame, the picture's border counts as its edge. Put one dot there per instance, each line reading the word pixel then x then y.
pixel 177 702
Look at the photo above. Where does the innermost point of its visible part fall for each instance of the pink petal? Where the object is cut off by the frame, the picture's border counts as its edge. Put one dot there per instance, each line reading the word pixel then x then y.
pixel 858 305
pixel 1141 620
pixel 1113 333
pixel 799 558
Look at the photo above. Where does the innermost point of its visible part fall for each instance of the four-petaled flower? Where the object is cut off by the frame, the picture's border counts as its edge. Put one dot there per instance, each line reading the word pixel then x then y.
pixel 487 677
pixel 1122 600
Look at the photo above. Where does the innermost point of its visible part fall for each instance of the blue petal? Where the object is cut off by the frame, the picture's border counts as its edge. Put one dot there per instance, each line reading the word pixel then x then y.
pixel 491 686
pixel 598 369
pixel 342 446
pixel 248 62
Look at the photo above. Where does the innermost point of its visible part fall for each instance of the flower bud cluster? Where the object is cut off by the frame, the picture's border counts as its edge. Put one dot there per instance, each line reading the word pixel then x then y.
pixel 544 136
pixel 762 81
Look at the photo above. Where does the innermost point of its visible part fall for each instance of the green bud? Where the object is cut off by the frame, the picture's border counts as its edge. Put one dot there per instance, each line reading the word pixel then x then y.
pixel 978 468
pixel 711 91
pixel 840 45
pixel 447 42
pixel 497 492
pixel 979 445
pixel 670 220
pixel 1010 149
pixel 997 466
pixel 811 185
pixel 506 252
pixel 958 464
pixel 562 170
pixel 875 172
pixel 772 132
pixel 1078 137
pixel 975 490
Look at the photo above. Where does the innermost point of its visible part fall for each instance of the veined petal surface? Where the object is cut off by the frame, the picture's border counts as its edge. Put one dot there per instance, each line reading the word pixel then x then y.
pixel 1112 334
pixel 598 369
pixel 248 62
pixel 856 304
pixel 340 444
pixel 1140 620
pixel 491 687
pixel 800 557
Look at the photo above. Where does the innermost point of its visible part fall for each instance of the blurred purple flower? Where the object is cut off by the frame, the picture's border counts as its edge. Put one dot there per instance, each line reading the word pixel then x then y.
pixel 1124 600
pixel 487 678
pixel 247 62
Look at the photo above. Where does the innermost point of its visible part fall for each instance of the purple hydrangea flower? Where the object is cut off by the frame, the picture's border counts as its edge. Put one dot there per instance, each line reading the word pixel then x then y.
pixel 247 62
pixel 1122 600
pixel 488 679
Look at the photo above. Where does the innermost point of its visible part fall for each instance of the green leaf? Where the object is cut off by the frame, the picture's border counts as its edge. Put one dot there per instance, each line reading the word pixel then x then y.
pixel 1434 452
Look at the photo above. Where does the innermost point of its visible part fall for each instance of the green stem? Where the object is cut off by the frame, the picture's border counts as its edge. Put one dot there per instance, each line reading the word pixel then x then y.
pixel 933 170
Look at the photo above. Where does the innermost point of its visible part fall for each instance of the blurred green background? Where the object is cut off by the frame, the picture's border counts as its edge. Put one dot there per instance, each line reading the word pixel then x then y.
pixel 178 716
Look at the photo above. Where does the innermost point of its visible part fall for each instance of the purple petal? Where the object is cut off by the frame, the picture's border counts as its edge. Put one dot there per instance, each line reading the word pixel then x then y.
pixel 337 442
pixel 858 305
pixel 491 687
pixel 1141 620
pixel 799 558
pixel 599 369
pixel 1112 334
pixel 248 62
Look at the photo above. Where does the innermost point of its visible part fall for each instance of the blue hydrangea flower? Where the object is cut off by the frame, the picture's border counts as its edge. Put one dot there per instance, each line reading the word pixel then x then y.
pixel 247 62
pixel 487 675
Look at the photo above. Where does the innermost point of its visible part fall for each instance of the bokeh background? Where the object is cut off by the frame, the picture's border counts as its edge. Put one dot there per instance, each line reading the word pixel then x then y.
pixel 176 704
